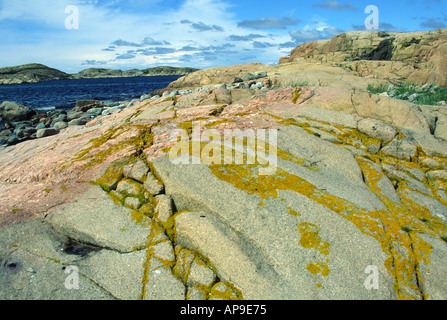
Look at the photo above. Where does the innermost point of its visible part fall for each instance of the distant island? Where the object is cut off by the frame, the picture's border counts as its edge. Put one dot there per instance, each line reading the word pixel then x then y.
pixel 35 72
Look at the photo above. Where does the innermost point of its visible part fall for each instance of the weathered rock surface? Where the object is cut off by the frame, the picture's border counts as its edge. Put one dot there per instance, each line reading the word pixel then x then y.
pixel 344 197
pixel 418 57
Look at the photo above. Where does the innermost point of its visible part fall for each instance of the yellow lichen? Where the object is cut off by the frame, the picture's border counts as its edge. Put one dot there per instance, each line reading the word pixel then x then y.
pixel 383 225
pixel 296 94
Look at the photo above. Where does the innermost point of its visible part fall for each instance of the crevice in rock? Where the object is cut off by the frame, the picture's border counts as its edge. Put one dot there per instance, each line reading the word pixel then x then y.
pixel 383 52
pixel 416 271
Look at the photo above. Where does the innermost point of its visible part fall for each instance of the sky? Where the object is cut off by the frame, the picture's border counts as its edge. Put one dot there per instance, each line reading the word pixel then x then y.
pixel 72 35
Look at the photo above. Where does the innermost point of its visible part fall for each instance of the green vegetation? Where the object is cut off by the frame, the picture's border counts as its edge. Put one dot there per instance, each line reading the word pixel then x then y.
pixel 381 88
pixel 425 95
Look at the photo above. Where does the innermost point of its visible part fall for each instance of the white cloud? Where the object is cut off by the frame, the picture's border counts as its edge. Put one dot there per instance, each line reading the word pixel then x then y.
pixel 108 30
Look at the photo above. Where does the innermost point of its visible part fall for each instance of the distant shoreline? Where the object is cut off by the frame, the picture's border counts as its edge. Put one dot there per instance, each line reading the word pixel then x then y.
pixel 32 73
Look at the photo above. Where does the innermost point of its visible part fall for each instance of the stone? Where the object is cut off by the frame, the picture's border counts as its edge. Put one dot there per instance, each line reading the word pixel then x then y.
pixel 429 162
pixel 164 251
pixel 13 111
pixel 26 132
pixel 163 208
pixel 129 187
pixel 94 112
pixel 13 139
pixel 260 74
pixel 200 274
pixel 210 215
pixel 377 129
pixel 145 97
pixel 41 133
pixel 400 148
pixel 248 77
pixel 136 171
pixel 95 219
pixel 79 122
pixel 132 203
pixel 428 143
pixel 153 185
pixel 437 174
pixel 60 125
pixel 40 126
pixel 84 105
pixel 71 115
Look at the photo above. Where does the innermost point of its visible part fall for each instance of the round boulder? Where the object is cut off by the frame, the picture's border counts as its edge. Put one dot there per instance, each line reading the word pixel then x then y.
pixel 12 111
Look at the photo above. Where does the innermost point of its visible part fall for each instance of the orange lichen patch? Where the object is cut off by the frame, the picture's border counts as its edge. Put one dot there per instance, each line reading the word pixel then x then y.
pixel 436 224
pixel 318 267
pixel 152 239
pixel 136 138
pixel 402 225
pixel 406 250
pixel 310 238
pixel 293 212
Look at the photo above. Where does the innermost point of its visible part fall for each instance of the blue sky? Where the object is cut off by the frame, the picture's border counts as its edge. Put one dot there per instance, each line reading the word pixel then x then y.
pixel 126 34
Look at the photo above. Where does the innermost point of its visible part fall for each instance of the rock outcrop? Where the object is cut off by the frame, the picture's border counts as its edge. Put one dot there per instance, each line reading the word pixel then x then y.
pixel 416 57
pixel 223 189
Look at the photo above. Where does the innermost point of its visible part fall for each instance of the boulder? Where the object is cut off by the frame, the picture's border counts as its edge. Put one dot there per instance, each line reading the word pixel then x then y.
pixel 60 125
pixel 46 132
pixel 377 130
pixel 12 111
pixel 79 122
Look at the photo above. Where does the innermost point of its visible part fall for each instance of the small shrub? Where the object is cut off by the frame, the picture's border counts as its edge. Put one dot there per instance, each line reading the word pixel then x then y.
pixel 424 95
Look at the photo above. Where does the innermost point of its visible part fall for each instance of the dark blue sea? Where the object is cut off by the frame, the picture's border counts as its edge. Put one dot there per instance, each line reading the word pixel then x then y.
pixel 63 94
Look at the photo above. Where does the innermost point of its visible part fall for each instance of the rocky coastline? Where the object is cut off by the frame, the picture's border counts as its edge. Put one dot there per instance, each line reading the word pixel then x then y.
pixel 142 202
